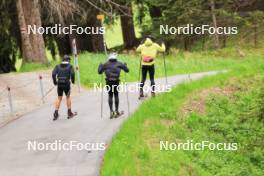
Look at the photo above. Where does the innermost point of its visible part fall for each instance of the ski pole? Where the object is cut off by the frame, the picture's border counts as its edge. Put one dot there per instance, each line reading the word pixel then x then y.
pixel 102 95
pixel 165 69
pixel 139 71
pixel 128 104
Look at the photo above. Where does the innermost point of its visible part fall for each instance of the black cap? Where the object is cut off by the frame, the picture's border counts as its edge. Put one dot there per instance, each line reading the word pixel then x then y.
pixel 66 58
pixel 147 36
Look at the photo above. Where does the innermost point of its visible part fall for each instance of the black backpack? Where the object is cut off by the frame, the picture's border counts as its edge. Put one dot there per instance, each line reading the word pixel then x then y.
pixel 64 74
pixel 113 72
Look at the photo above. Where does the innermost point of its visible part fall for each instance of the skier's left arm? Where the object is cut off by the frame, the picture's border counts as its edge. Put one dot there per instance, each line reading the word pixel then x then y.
pixel 161 48
pixel 72 75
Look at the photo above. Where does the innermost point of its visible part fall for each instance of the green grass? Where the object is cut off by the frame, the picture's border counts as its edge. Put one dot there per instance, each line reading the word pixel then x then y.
pixel 113 36
pixel 179 63
pixel 29 67
pixel 135 149
pixel 176 64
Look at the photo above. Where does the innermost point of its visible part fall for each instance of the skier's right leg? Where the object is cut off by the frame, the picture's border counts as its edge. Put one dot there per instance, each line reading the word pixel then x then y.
pixel 151 77
pixel 116 95
pixel 110 100
pixel 67 91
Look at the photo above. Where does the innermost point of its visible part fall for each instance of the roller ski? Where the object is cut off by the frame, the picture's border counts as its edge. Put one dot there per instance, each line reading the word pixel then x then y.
pixel 112 115
pixel 118 114
pixel 142 96
pixel 71 114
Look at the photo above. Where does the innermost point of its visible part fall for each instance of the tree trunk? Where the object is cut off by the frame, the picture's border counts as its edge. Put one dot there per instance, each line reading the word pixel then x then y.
pixel 27 53
pixel 33 47
pixel 224 41
pixel 154 12
pixel 255 35
pixel 186 43
pixel 216 37
pixel 64 44
pixel 128 30
pixel 83 41
pixel 98 39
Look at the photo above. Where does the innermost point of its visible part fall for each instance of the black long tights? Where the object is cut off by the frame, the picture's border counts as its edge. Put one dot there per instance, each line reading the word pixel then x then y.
pixel 113 92
pixel 145 70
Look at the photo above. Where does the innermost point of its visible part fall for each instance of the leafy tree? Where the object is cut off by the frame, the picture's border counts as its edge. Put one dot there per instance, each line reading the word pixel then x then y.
pixel 8 37
pixel 255 21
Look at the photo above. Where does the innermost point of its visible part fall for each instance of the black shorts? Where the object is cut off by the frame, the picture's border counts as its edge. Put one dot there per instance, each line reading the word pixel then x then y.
pixel 65 89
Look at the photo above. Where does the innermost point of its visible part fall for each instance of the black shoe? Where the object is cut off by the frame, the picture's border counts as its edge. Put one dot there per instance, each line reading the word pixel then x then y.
pixel 55 115
pixel 141 95
pixel 153 94
pixel 112 115
pixel 71 114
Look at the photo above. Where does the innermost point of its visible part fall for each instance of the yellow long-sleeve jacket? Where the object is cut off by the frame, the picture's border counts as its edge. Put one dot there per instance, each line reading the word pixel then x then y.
pixel 150 49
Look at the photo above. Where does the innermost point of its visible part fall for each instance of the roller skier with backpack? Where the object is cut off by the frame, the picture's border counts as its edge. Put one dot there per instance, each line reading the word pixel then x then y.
pixel 63 75
pixel 112 69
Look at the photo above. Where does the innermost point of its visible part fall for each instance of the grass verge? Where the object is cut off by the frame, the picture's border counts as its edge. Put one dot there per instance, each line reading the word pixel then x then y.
pixel 135 150
pixel 180 63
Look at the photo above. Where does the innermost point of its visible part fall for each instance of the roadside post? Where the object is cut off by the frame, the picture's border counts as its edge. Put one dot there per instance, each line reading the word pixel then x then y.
pixel 76 64
pixel 100 17
pixel 10 100
pixel 41 88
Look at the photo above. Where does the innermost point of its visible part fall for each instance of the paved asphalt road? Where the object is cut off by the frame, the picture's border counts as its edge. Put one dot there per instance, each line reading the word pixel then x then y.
pixel 87 127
